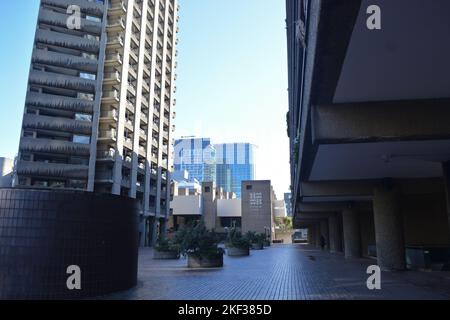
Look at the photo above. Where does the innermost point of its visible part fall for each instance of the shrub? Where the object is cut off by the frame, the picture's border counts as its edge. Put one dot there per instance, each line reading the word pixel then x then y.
pixel 164 245
pixel 193 238
pixel 235 239
pixel 255 238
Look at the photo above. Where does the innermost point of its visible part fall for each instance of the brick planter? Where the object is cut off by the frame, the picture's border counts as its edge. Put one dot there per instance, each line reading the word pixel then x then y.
pixel 238 252
pixel 195 261
pixel 166 255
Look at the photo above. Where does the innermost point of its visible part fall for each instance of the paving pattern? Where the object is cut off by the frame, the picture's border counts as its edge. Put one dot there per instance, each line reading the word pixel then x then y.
pixel 282 272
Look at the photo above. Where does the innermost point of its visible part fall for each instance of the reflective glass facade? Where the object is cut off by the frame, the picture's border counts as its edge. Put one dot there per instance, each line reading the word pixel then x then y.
pixel 235 163
pixel 197 156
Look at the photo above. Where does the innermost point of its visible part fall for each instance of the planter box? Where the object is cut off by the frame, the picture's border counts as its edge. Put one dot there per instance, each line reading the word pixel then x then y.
pixel 238 252
pixel 257 246
pixel 165 255
pixel 205 262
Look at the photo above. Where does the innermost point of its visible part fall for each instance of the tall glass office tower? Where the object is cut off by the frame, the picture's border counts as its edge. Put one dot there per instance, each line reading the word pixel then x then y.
pixel 235 163
pixel 197 156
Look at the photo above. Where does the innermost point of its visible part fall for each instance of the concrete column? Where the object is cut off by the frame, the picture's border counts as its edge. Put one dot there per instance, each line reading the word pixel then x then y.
pixel 334 234
pixel 310 236
pixel 446 171
pixel 352 238
pixel 324 232
pixel 155 231
pixel 388 228
pixel 318 233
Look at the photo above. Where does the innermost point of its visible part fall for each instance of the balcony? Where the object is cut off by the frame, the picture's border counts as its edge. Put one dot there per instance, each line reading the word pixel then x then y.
pixel 104 177
pixel 61 81
pixel 141 167
pixel 116 25
pixel 142 151
pixel 118 9
pixel 89 7
pixel 59 170
pixel 144 118
pixel 153 191
pixel 54 147
pixel 113 59
pixel 109 135
pixel 52 18
pixel 65 40
pixel 49 101
pixel 128 142
pixel 112 78
pixel 147 72
pixel 56 124
pixel 129 124
pixel 148 54
pixel 137 22
pixel 64 60
pixel 135 39
pixel 115 42
pixel 132 89
pixel 111 96
pixel 145 87
pixel 109 116
pixel 143 134
pixel 130 107
pixel 144 101
pixel 167 107
pixel 140 186
pixel 127 161
pixel 132 72
pixel 159 68
pixel 126 182
pixel 106 155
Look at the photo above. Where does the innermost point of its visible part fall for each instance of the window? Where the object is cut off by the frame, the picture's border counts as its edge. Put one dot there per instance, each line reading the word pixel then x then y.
pixel 207 189
pixel 25 157
pixel 88 76
pixel 82 139
pixel 79 161
pixel 83 117
pixel 85 96
pixel 249 187
pixel 95 19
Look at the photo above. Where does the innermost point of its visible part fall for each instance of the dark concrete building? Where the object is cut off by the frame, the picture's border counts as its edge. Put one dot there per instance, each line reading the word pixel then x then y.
pixel 369 127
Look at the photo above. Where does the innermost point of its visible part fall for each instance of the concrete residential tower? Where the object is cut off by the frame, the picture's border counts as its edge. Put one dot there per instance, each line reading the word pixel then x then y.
pixel 99 106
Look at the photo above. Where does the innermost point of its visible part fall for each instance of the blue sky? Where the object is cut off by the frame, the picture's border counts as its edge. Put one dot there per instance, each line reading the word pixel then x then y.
pixel 232 76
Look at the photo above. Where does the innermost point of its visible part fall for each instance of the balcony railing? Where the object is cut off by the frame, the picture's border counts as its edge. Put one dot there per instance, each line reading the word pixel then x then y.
pixel 110 134
pixel 106 155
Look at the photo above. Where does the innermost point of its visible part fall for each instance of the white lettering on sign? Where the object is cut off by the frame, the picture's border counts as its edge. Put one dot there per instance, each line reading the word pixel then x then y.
pixel 374 19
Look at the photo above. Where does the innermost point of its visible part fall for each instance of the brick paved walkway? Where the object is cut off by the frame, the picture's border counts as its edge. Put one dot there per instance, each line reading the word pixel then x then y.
pixel 282 272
